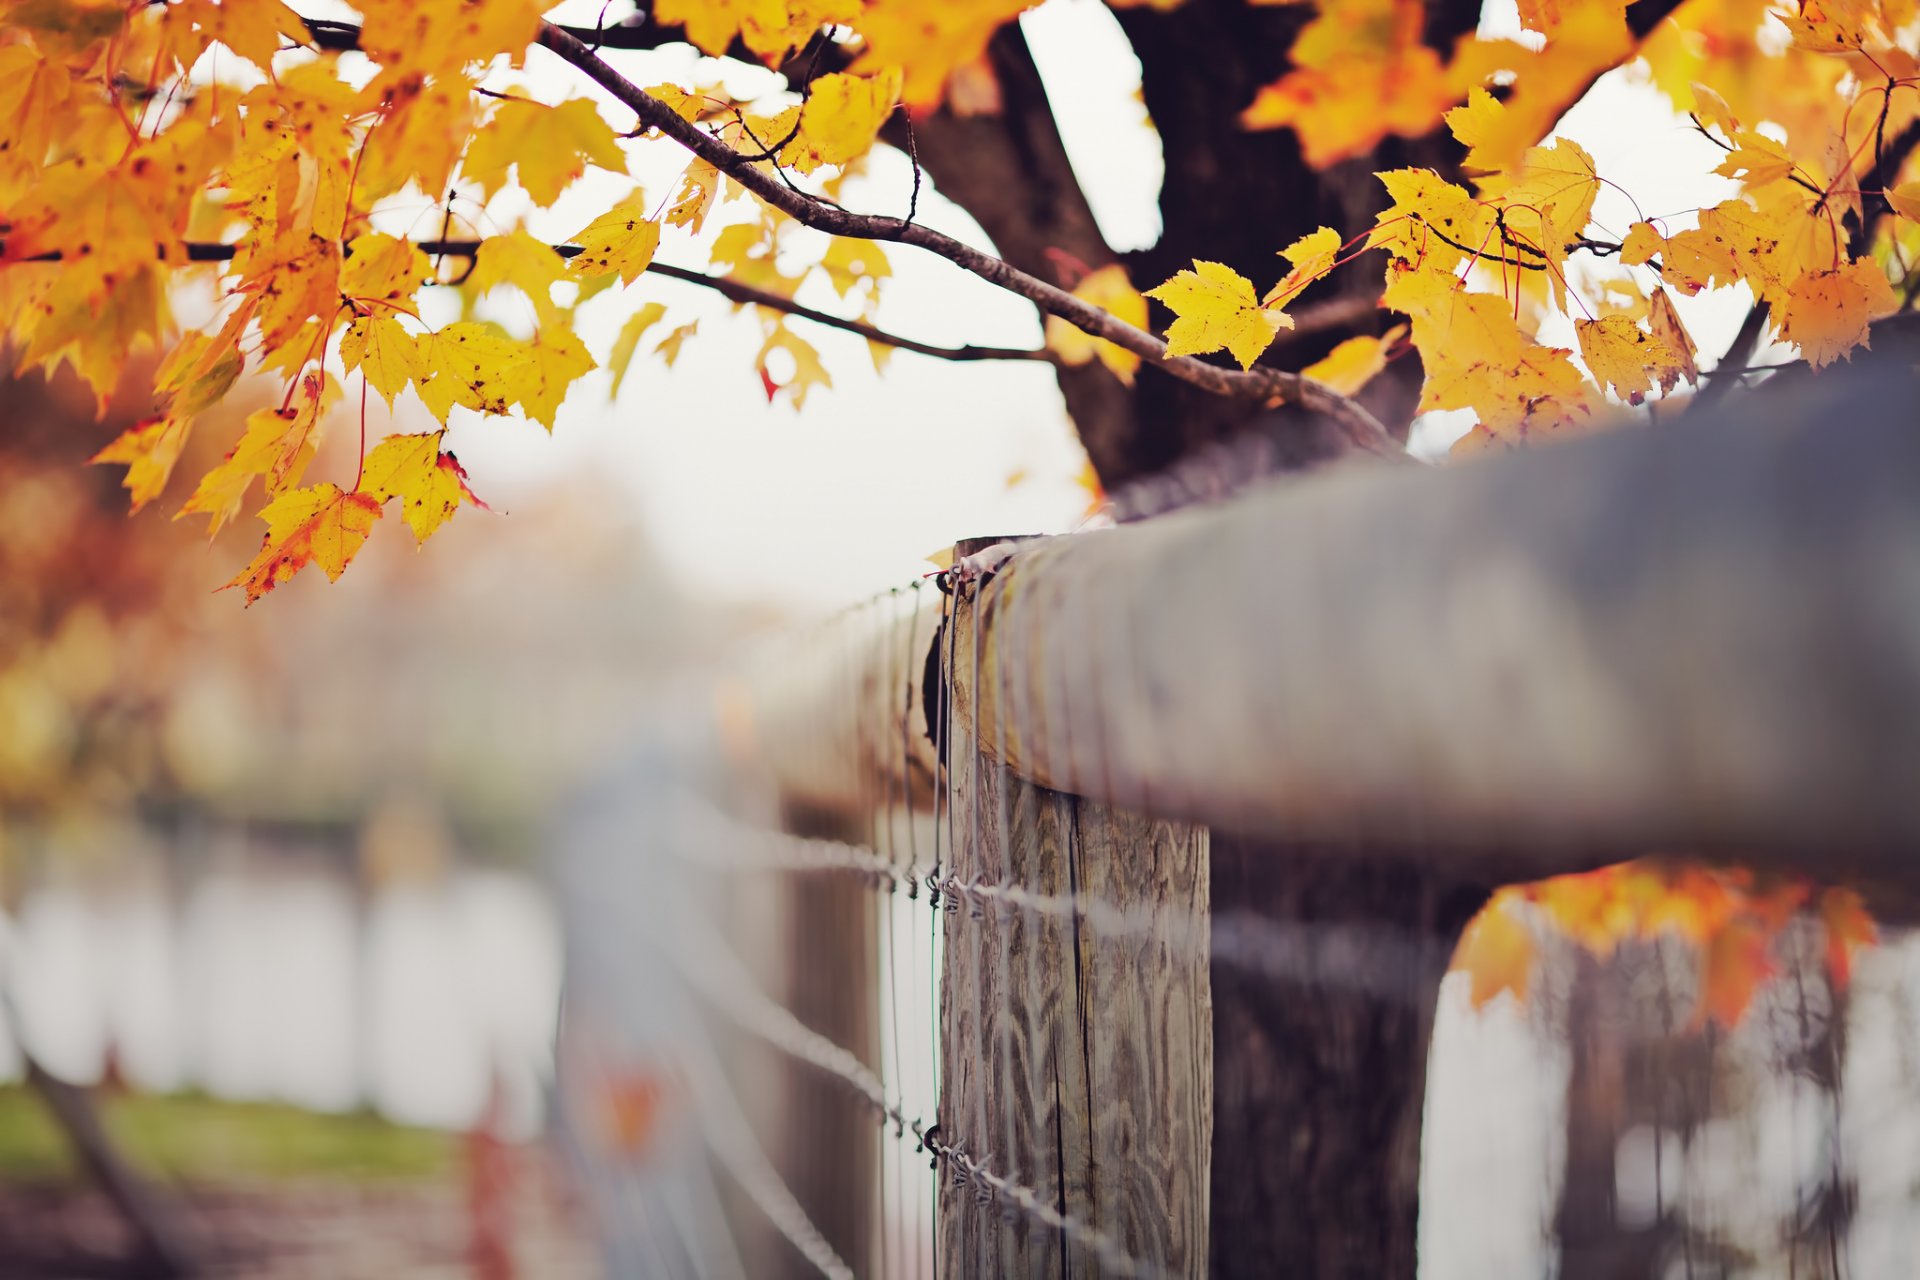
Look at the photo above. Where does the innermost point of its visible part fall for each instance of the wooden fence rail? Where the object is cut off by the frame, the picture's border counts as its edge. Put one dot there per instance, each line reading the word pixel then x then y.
pixel 1702 638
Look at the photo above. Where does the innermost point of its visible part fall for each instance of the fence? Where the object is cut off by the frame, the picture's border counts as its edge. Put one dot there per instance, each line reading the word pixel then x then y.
pixel 1089 914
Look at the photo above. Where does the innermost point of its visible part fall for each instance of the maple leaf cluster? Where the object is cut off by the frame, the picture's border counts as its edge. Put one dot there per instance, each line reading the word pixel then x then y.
pixel 1731 920
pixel 148 151
pixel 1826 89
pixel 233 147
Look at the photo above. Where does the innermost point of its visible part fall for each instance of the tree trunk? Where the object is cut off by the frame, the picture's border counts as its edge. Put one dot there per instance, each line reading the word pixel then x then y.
pixel 1320 1054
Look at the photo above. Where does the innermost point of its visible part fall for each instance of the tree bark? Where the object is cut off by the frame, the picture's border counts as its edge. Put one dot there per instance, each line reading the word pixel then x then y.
pixel 1320 1072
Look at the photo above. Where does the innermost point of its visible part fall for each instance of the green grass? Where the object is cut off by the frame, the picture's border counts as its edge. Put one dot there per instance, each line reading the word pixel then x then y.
pixel 193 1138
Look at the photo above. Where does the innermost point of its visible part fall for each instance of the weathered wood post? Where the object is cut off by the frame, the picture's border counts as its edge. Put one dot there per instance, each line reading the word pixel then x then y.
pixel 1077 1060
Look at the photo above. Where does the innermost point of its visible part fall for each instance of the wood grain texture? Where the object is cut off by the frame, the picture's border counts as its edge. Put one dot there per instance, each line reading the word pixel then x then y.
pixel 1075 1063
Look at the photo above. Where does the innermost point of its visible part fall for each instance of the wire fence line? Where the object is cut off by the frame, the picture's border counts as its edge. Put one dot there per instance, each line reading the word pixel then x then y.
pixel 722 978
pixel 1338 957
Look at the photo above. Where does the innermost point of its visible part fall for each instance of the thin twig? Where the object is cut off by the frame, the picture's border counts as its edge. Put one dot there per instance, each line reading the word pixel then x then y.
pixel 1259 383
pixel 726 287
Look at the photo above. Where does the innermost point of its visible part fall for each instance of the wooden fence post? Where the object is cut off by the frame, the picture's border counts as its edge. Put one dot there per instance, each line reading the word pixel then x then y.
pixel 1075 1061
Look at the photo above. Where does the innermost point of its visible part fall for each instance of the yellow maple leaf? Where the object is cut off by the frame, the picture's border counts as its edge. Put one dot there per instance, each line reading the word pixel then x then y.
pixel 930 43
pixel 382 268
pixel 1477 358
pixel 1313 256
pixel 1828 312
pixel 1666 326
pixel 551 146
pixel 1756 159
pixel 1627 358
pixel 808 372
pixel 1361 70
pixel 555 361
pixel 1353 363
pixel 769 28
pixel 1905 200
pixel 251 28
pixel 149 449
pixel 386 354
pixel 1712 111
pixel 529 265
pixel 840 119
pixel 221 490
pixel 669 348
pixel 699 189
pixel 629 341
pixel 851 263
pixel 442 35
pixel 1109 289
pixel 1496 952
pixel 319 525
pixel 620 240
pixel 1214 307
pixel 429 482
pixel 474 365
pixel 1493 136
pixel 1431 221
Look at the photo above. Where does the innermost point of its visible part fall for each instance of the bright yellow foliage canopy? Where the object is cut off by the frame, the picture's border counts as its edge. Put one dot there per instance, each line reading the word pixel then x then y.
pixel 153 156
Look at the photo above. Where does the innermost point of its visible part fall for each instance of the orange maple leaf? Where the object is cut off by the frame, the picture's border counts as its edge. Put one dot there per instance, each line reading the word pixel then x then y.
pixel 319 525
pixel 1496 951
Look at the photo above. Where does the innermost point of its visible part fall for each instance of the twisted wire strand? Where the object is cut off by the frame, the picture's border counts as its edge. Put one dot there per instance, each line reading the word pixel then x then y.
pixel 1342 957
pixel 719 976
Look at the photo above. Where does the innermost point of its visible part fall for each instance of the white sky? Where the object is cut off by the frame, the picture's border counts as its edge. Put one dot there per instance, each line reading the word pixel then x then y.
pixel 747 500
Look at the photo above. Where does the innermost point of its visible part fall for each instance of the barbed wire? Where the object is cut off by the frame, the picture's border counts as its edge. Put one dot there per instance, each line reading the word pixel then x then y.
pixel 1340 957
pixel 720 976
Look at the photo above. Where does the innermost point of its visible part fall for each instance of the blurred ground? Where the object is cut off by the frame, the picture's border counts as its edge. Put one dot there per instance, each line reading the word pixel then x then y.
pixel 274 1192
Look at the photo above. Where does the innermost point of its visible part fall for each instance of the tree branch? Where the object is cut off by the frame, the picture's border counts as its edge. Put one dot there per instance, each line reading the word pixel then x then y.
pixel 734 290
pixel 1738 352
pixel 1259 383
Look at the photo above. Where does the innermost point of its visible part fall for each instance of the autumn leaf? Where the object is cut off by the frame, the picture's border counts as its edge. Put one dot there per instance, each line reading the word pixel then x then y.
pixel 1431 221
pixel 1313 256
pixel 1666 326
pixel 1905 200
pixel 1828 312
pixel 549 145
pixel 556 360
pixel 1478 358
pixel 1757 159
pixel 441 35
pixel 1848 928
pixel 1738 960
pixel 1109 289
pixel 429 482
pixel 529 265
pixel 1214 307
pixel 386 354
pixel 254 29
pixel 1628 359
pixel 699 188
pixel 321 525
pixel 1496 952
pixel 808 372
pixel 669 348
pixel 840 119
pixel 382 268
pixel 148 449
pixel 629 341
pixel 1353 363
pixel 620 240
pixel 473 365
